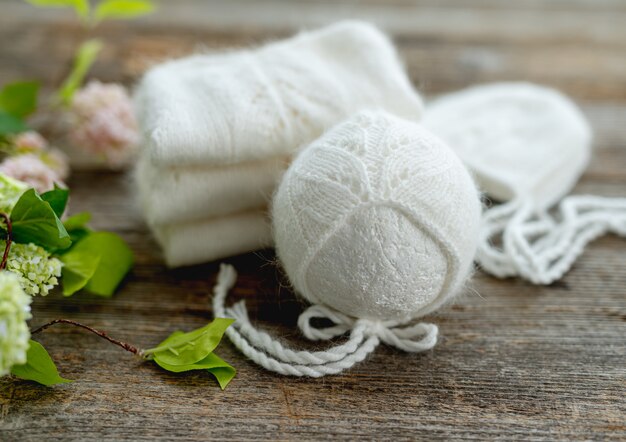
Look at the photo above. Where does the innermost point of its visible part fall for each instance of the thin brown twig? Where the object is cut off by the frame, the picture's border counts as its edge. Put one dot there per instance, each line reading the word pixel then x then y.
pixel 103 335
pixel 7 247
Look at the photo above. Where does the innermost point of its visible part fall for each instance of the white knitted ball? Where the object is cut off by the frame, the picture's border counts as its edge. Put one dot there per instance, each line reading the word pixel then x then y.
pixel 377 219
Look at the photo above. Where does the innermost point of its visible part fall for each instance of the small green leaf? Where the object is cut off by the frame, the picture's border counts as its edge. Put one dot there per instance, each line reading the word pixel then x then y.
pixel 215 365
pixel 19 99
pixel 10 125
pixel 189 348
pixel 57 198
pixel 123 9
pixel 39 367
pixel 85 57
pixel 34 220
pixel 77 221
pixel 80 6
pixel 105 251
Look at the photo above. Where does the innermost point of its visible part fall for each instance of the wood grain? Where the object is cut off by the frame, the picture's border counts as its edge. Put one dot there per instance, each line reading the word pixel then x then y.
pixel 516 361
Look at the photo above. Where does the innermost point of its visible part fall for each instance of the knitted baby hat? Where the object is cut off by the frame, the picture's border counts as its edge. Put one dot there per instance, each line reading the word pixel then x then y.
pixel 519 139
pixel 527 145
pixel 247 105
pixel 376 224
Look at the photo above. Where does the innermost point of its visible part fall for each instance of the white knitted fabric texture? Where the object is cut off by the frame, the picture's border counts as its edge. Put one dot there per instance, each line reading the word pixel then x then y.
pixel 376 223
pixel 255 104
pixel 219 129
pixel 527 146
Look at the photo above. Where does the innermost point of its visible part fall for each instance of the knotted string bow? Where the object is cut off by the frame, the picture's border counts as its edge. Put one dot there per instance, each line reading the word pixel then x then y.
pixel 413 338
pixel 365 335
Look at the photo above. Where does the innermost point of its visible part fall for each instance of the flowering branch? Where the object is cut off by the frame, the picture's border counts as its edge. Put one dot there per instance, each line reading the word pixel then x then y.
pixel 128 347
pixel 7 247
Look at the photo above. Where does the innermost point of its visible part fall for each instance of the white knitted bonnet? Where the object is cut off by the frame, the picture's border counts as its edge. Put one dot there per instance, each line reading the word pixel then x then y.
pixel 520 140
pixel 376 224
pixel 527 145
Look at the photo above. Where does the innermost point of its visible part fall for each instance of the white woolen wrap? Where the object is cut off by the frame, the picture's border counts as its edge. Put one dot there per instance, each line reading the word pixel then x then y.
pixel 255 104
pixel 376 223
pixel 527 145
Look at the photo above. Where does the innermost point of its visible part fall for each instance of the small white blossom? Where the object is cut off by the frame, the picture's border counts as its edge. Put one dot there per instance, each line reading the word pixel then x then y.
pixel 29 141
pixel 14 312
pixel 37 271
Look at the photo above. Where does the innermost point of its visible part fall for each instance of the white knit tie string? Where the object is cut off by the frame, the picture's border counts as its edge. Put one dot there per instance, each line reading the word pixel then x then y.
pixel 541 248
pixel 414 338
pixel 269 353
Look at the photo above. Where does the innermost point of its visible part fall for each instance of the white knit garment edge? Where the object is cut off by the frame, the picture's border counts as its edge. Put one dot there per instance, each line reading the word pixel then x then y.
pixel 527 145
pixel 170 195
pixel 188 243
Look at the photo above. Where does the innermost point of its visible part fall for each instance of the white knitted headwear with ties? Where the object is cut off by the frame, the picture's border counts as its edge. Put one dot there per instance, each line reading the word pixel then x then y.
pixel 376 224
pixel 527 146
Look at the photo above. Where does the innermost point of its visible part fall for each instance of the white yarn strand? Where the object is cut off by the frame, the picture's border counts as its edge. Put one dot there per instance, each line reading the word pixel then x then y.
pixel 540 248
pixel 364 337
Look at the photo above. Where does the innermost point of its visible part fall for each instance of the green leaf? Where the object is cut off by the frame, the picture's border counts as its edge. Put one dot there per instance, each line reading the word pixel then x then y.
pixel 123 9
pixel 77 235
pixel 19 99
pixel 85 57
pixel 38 367
pixel 34 220
pixel 189 348
pixel 78 269
pixel 57 198
pixel 215 365
pixel 76 226
pixel 97 263
pixel 77 221
pixel 11 125
pixel 80 6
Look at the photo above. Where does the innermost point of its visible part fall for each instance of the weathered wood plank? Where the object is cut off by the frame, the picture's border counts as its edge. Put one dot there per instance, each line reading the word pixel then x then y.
pixel 579 51
pixel 515 362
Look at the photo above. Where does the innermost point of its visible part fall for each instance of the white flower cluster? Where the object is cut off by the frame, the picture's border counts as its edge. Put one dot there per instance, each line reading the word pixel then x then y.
pixel 36 270
pixel 14 312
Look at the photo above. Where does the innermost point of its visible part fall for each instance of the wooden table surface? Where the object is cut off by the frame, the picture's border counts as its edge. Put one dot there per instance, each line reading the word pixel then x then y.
pixel 515 361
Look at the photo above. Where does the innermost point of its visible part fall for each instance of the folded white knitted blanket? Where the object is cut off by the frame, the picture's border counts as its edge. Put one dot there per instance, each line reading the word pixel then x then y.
pixel 256 104
pixel 186 243
pixel 168 195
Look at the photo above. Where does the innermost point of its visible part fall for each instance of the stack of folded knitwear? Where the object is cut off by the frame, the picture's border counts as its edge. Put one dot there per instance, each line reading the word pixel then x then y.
pixel 219 130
